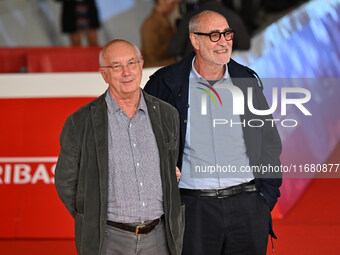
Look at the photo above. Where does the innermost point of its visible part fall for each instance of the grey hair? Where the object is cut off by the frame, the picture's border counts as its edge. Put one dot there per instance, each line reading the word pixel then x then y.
pixel 194 22
pixel 101 58
pixel 139 53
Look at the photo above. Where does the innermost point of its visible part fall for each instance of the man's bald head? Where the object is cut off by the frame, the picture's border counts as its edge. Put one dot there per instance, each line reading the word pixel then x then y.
pixel 117 42
pixel 195 21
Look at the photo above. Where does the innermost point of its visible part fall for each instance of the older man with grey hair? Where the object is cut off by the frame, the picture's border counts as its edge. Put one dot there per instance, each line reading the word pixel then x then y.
pixel 180 46
pixel 227 208
pixel 116 172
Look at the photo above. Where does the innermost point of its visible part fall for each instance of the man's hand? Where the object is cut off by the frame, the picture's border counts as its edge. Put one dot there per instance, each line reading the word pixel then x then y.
pixel 178 174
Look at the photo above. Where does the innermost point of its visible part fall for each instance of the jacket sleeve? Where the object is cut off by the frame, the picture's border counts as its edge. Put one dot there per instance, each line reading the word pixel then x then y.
pixel 67 169
pixel 271 148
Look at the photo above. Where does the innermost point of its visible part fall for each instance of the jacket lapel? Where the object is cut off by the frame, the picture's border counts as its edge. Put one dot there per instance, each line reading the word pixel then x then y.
pixel 100 129
pixel 155 118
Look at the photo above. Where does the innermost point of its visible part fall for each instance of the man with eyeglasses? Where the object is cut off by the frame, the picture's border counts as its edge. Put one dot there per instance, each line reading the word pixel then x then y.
pixel 180 46
pixel 227 205
pixel 116 172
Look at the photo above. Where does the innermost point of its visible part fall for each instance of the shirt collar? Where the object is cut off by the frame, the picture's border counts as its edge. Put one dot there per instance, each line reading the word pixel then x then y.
pixel 113 107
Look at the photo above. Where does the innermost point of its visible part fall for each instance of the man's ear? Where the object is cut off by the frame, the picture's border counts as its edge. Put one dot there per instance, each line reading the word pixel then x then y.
pixel 194 41
pixel 102 72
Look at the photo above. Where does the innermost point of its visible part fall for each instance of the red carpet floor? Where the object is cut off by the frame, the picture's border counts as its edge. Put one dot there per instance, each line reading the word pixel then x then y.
pixel 311 228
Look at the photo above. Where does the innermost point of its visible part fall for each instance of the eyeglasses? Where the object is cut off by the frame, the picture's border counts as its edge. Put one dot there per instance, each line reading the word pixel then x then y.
pixel 119 67
pixel 216 36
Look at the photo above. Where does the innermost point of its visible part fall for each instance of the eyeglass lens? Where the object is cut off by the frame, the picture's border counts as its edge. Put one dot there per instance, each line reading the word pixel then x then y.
pixel 228 35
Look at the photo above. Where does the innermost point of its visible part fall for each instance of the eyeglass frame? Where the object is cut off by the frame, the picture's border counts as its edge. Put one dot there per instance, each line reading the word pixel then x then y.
pixel 230 31
pixel 121 66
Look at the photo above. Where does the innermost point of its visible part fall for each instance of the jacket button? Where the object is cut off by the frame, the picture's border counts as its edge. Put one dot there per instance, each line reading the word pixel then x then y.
pixel 179 94
pixel 187 106
pixel 185 121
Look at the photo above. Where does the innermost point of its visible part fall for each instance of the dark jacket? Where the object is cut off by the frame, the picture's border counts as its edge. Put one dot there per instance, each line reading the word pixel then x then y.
pixel 81 175
pixel 263 144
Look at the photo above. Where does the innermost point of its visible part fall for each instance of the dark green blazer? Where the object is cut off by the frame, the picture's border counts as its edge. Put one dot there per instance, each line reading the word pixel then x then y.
pixel 81 175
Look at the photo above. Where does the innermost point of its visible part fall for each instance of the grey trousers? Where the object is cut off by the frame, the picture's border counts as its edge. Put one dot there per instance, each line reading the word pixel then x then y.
pixel 121 242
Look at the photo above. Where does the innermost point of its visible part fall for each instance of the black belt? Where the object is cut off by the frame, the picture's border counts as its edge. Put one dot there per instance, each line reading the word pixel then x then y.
pixel 221 193
pixel 138 230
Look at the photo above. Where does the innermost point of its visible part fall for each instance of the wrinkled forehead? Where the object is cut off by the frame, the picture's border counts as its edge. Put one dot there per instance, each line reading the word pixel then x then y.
pixel 212 22
pixel 120 52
